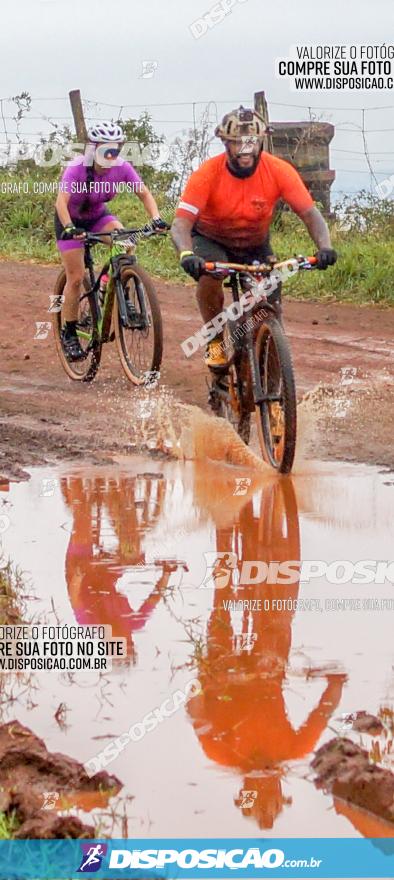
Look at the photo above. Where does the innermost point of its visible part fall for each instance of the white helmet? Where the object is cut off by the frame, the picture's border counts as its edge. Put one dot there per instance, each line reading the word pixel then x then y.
pixel 105 132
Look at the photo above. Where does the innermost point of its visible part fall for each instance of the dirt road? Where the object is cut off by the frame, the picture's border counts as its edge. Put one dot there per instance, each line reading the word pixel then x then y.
pixel 45 416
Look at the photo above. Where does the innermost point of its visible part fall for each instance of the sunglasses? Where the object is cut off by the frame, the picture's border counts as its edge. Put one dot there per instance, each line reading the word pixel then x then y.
pixel 247 140
pixel 112 153
pixel 107 151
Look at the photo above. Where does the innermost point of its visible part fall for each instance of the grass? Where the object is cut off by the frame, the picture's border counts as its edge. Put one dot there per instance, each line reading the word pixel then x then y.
pixel 364 243
pixel 11 601
pixel 12 590
pixel 8 826
pixel 362 275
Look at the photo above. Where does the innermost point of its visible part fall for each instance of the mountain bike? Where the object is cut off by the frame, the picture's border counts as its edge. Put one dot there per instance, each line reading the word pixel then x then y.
pixel 119 303
pixel 258 375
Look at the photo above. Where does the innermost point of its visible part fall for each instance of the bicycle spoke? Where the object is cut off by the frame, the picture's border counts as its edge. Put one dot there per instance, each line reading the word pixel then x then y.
pixel 276 409
pixel 140 342
pixel 85 368
pixel 137 338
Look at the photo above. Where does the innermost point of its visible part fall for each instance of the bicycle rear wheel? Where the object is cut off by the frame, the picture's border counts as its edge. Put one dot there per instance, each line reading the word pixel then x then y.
pixel 140 345
pixel 87 332
pixel 276 416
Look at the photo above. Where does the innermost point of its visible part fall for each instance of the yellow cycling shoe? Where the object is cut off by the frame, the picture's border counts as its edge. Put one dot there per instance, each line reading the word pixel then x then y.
pixel 215 356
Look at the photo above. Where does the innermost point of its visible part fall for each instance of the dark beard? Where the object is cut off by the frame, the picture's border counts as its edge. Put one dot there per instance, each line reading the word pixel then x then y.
pixel 237 171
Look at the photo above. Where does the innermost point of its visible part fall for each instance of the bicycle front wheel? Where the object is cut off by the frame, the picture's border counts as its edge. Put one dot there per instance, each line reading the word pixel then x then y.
pixel 276 415
pixel 140 343
pixel 83 370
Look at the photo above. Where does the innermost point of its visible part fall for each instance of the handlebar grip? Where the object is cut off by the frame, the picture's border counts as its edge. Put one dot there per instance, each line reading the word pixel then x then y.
pixel 312 260
pixel 209 267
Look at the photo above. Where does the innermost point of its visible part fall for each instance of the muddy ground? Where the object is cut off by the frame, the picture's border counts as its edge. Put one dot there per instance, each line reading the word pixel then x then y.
pixel 344 769
pixel 45 416
pixel 32 778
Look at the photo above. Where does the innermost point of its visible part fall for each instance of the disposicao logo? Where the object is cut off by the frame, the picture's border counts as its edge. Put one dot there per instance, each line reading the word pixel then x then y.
pixel 92 857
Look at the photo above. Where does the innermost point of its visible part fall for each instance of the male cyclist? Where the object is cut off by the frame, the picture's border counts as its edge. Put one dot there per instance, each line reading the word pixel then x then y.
pixel 225 211
pixel 88 182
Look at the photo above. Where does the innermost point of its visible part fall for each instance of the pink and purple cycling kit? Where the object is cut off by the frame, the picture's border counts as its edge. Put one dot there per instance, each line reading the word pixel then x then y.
pixel 90 191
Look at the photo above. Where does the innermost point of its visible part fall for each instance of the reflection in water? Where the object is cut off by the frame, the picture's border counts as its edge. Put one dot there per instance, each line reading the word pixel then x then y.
pixel 240 717
pixel 366 823
pixel 85 800
pixel 110 518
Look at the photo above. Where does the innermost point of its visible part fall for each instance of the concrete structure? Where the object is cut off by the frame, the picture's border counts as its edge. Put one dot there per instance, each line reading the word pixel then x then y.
pixel 307 146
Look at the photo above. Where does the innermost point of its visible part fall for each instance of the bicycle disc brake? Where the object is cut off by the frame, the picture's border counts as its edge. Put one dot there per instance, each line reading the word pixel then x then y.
pixel 134 321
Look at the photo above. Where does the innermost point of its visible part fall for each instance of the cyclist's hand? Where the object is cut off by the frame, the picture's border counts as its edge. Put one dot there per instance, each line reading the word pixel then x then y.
pixel 325 257
pixel 72 231
pixel 191 264
pixel 159 223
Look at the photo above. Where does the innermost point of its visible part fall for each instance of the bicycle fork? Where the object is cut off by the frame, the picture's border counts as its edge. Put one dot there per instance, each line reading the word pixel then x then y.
pixel 257 389
pixel 259 396
pixel 131 317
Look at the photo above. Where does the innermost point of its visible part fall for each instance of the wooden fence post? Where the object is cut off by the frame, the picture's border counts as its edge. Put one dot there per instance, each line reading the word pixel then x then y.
pixel 261 106
pixel 78 115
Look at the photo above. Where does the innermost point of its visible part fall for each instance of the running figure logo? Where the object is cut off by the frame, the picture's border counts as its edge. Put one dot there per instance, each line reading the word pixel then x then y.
pixel 92 857
pixel 221 569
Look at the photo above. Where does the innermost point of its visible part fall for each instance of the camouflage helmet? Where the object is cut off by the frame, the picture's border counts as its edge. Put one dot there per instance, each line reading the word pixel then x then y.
pixel 239 123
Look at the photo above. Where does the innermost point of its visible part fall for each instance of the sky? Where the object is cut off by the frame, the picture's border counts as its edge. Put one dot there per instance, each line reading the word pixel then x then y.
pixel 48 47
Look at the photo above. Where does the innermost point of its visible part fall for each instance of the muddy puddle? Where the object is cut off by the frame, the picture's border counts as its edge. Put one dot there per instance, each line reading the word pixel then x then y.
pixel 232 680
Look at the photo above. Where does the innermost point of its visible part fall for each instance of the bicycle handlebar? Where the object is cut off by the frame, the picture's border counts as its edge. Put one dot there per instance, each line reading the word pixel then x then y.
pixel 291 265
pixel 143 231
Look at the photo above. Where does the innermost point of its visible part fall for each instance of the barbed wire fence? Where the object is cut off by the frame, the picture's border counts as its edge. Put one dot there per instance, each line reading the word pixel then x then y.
pixel 24 120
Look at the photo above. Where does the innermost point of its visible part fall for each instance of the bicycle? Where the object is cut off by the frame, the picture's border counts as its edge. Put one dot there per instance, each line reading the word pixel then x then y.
pixel 258 375
pixel 119 303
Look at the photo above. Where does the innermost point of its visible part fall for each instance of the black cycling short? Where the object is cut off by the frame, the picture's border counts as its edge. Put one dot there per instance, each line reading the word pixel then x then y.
pixel 212 250
pixel 209 249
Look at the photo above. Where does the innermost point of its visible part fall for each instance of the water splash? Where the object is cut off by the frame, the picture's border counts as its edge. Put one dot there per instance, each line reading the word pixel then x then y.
pixel 161 423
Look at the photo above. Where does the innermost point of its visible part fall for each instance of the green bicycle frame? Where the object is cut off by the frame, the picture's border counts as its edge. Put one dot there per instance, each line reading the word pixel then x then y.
pixel 104 313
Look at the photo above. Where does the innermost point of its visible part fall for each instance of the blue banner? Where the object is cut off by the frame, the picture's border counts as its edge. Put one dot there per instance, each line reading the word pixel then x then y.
pixel 197 857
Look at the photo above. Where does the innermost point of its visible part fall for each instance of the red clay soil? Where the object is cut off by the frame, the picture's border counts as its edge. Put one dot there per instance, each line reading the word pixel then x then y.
pixel 344 769
pixel 29 773
pixel 45 416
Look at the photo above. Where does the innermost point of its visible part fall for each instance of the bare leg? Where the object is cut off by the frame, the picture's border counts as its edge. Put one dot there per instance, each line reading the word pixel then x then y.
pixel 74 265
pixel 113 224
pixel 210 297
pixel 73 262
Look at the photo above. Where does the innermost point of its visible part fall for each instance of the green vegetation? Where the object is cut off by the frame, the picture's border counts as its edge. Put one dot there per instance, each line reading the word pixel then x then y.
pixel 363 236
pixel 8 825
pixel 12 591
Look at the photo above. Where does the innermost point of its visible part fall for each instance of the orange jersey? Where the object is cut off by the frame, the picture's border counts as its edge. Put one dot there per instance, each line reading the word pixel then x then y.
pixel 237 212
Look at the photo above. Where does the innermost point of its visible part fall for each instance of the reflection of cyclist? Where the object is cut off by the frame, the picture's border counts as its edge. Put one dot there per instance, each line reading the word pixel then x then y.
pixel 225 212
pixel 240 716
pixel 80 207
pixel 94 569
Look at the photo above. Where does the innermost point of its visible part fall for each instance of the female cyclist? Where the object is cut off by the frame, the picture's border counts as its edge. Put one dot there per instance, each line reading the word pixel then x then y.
pixel 88 182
